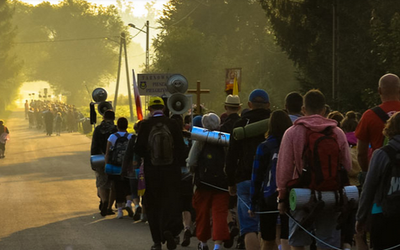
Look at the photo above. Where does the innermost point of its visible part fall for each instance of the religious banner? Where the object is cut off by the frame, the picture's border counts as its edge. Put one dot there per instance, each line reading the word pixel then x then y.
pixel 230 75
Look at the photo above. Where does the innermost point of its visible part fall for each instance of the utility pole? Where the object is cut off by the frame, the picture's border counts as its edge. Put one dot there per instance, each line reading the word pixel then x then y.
pixel 147 45
pixel 123 43
pixel 147 40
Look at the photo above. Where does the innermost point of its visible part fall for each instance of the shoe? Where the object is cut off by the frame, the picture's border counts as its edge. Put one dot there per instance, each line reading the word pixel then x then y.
pixel 120 215
pixel 104 209
pixel 138 213
pixel 234 232
pixel 129 210
pixel 101 203
pixel 156 247
pixel 110 212
pixel 200 247
pixel 186 238
pixel 171 243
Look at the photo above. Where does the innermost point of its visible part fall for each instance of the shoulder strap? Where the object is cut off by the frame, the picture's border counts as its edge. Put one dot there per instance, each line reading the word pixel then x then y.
pixel 126 134
pixel 390 151
pixel 380 113
pixel 117 135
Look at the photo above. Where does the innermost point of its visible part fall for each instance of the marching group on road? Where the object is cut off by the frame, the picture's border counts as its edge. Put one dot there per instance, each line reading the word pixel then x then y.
pixel 287 179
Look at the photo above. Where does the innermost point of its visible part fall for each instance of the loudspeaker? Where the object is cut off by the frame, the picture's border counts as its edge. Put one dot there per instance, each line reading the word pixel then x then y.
pixel 103 107
pixel 177 84
pixel 99 95
pixel 178 103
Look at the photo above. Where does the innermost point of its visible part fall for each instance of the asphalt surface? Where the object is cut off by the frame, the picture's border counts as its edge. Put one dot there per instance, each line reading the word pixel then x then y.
pixel 48 196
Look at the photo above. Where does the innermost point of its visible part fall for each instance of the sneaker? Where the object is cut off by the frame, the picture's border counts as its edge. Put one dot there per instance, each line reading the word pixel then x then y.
pixel 200 247
pixel 138 213
pixel 186 238
pixel 129 210
pixel 234 232
pixel 171 243
pixel 120 215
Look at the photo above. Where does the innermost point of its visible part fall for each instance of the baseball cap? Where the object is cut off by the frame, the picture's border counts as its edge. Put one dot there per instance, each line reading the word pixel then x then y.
pixel 155 100
pixel 259 95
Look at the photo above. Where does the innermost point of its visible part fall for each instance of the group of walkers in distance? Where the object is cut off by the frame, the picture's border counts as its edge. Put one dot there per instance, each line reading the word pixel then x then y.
pixel 53 116
pixel 292 178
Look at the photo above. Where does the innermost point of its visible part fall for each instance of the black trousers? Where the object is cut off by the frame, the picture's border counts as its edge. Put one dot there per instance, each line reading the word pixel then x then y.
pixel 162 201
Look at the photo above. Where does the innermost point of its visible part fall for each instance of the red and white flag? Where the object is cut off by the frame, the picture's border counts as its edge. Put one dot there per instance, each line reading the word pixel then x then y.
pixel 138 102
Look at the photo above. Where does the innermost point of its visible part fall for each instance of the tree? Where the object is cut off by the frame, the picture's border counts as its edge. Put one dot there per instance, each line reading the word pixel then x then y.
pixel 9 64
pixel 368 41
pixel 71 45
pixel 200 39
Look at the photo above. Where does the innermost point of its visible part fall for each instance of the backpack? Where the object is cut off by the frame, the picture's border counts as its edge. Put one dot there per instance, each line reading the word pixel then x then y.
pixel 321 160
pixel 210 166
pixel 391 184
pixel 119 149
pixel 269 184
pixel 161 145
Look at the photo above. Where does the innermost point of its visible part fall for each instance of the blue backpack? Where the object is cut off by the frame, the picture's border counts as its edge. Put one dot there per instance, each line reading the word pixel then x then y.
pixel 269 184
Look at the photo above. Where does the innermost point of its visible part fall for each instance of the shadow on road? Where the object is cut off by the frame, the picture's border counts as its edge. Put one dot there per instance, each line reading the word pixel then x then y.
pixel 82 233
pixel 58 167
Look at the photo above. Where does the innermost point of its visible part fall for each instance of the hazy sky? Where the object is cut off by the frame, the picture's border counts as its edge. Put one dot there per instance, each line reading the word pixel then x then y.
pixel 138 4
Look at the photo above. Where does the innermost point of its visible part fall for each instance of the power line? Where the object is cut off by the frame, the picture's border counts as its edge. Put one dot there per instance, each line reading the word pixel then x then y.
pixel 186 15
pixel 68 40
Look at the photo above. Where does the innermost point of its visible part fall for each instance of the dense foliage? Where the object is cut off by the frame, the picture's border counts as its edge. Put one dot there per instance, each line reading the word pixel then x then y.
pixel 9 63
pixel 71 45
pixel 368 35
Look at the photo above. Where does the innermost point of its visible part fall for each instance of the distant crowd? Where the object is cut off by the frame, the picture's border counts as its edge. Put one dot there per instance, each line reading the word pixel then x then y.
pixel 53 116
pixel 303 176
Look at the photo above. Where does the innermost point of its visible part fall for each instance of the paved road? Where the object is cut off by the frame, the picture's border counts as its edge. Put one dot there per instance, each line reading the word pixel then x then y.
pixel 48 197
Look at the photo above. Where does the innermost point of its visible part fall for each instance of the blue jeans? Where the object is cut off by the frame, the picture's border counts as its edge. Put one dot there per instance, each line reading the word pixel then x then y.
pixel 247 224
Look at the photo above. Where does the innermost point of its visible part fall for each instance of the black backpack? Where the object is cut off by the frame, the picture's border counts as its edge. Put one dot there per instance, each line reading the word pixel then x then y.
pixel 119 149
pixel 391 184
pixel 211 167
pixel 161 145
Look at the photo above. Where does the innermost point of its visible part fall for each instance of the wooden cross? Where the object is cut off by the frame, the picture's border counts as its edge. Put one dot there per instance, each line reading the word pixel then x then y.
pixel 198 92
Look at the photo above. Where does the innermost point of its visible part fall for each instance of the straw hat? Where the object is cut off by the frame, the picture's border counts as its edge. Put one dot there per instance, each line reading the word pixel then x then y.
pixel 232 101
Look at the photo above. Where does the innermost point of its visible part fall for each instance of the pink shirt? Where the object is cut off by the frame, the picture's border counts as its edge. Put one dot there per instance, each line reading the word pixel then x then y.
pixel 292 146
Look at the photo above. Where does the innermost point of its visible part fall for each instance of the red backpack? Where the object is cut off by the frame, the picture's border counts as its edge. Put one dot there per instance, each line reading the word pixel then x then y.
pixel 321 160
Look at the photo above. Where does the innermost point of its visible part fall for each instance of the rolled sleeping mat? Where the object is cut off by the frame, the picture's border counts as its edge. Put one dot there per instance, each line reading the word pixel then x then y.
pixel 351 192
pixel 217 137
pixel 299 197
pixel 251 130
pixel 97 161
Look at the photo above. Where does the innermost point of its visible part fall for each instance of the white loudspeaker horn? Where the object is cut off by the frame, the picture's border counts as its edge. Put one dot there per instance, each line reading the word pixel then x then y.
pixel 99 95
pixel 177 84
pixel 178 103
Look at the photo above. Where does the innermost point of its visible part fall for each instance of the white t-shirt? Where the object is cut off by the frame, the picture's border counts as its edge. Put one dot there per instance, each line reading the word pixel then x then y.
pixel 113 138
